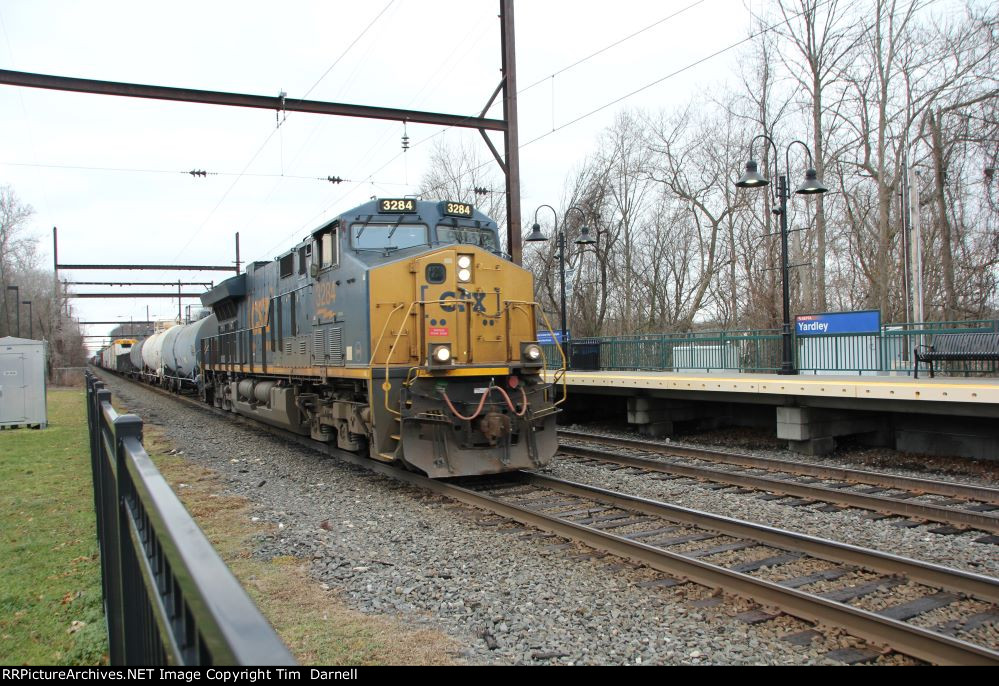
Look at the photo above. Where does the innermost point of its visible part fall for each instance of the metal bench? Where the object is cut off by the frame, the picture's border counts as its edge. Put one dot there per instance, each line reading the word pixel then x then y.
pixel 949 347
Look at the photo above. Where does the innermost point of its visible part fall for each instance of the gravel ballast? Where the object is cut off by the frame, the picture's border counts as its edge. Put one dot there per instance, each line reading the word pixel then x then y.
pixel 509 594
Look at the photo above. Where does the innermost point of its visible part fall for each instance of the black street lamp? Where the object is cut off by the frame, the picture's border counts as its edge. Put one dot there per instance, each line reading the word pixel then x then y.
pixel 811 186
pixel 17 307
pixel 31 329
pixel 584 239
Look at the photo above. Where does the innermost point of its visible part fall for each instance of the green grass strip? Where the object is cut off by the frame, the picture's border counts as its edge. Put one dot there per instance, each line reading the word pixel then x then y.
pixel 50 576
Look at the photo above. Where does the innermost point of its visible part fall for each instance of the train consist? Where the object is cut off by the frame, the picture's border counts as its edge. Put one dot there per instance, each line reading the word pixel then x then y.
pixel 398 328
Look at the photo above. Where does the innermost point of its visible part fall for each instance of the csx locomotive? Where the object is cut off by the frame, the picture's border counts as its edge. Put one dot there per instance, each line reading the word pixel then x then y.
pixel 398 328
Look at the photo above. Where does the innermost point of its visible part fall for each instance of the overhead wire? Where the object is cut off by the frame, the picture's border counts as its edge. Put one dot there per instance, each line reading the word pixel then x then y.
pixel 24 109
pixel 471 36
pixel 651 84
pixel 578 62
pixel 609 46
pixel 320 123
pixel 136 170
pixel 271 134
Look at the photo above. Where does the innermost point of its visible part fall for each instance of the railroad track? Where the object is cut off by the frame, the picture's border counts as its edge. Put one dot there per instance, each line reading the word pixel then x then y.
pixel 819 581
pixel 967 506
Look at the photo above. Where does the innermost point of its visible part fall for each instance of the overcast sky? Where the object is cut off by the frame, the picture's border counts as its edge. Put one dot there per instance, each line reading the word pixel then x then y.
pixel 128 200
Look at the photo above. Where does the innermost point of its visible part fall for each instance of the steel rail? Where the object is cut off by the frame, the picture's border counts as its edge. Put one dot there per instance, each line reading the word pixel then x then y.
pixel 904 638
pixel 983 587
pixel 957 490
pixel 879 503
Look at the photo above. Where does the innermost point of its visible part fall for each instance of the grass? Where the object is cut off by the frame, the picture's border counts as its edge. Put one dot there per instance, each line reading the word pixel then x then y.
pixel 51 610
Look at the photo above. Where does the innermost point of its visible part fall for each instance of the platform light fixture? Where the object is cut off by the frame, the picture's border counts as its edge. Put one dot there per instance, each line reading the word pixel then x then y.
pixel 584 239
pixel 752 178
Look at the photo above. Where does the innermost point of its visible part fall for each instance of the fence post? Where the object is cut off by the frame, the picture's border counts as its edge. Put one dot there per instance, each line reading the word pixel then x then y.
pixel 125 427
pixel 108 528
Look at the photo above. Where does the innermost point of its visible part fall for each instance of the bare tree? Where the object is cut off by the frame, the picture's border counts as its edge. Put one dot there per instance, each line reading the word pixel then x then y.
pixel 17 248
pixel 822 38
pixel 456 170
pixel 695 158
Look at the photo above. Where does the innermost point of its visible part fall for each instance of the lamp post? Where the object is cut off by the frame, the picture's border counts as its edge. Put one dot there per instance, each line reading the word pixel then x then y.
pixel 17 306
pixel 811 186
pixel 31 329
pixel 584 239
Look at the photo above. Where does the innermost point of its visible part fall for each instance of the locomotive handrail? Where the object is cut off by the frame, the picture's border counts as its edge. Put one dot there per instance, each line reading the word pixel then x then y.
pixel 387 385
pixel 559 373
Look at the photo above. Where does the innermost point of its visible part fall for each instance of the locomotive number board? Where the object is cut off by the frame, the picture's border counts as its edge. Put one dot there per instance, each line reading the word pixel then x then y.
pixel 397 205
pixel 456 209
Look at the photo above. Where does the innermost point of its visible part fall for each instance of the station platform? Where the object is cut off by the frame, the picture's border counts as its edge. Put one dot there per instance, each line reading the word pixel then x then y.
pixel 944 415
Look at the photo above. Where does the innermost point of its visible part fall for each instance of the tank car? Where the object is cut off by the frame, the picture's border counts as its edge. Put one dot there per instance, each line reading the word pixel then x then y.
pixel 181 352
pixel 152 350
pixel 135 357
pixel 398 327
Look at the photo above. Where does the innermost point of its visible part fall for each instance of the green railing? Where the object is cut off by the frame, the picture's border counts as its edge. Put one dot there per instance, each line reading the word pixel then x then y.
pixel 889 351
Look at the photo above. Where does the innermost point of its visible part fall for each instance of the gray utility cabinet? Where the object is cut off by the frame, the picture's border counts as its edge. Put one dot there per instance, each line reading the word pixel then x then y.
pixel 22 383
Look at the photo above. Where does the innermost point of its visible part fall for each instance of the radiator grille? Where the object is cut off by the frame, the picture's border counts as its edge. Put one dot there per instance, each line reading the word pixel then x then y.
pixel 319 345
pixel 336 346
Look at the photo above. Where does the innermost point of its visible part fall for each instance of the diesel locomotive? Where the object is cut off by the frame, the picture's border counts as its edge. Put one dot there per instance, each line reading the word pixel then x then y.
pixel 398 328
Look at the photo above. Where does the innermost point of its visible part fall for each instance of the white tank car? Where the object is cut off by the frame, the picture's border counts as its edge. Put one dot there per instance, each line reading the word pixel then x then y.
pixel 135 354
pixel 152 353
pixel 166 350
pixel 182 357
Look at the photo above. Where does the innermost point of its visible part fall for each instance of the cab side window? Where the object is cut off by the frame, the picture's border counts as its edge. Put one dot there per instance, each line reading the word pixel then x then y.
pixel 327 250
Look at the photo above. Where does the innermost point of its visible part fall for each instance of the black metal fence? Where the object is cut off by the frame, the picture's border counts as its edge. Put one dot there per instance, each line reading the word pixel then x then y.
pixel 169 599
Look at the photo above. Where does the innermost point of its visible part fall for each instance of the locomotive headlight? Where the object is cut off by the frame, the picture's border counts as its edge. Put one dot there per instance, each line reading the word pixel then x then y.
pixel 464 261
pixel 440 354
pixel 530 353
pixel 464 275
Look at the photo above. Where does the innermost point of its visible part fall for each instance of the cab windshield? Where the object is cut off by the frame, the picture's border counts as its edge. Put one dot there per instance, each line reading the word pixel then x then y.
pixel 483 238
pixel 388 236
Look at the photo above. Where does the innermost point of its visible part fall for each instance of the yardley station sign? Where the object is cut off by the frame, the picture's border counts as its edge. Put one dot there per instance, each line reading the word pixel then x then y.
pixel 864 321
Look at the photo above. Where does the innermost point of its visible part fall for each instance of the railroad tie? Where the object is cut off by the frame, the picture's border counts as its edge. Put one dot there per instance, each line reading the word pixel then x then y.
pixel 918 606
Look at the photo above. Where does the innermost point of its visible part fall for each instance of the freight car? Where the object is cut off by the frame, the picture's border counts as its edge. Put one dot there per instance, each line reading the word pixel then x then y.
pixel 398 328
pixel 116 356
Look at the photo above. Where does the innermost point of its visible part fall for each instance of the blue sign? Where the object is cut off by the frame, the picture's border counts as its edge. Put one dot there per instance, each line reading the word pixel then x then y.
pixel 546 337
pixel 865 321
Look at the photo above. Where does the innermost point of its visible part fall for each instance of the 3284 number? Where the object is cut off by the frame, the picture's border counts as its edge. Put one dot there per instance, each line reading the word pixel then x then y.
pixel 397 205
pixel 458 209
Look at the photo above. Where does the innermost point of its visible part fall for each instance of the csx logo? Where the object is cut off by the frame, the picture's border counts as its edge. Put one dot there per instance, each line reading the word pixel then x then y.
pixel 478 301
pixel 258 312
pixel 325 292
